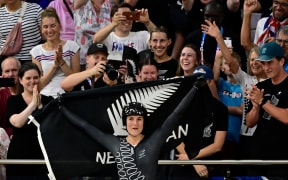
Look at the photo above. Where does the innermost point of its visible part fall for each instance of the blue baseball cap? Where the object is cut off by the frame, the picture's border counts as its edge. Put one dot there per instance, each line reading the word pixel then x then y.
pixel 269 51
pixel 208 73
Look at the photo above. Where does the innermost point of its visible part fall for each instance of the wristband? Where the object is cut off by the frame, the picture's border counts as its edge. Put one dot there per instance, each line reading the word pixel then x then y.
pixel 264 101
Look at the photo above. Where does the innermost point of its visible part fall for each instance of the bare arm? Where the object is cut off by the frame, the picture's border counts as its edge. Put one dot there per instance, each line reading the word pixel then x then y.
pixel 75 65
pixel 182 155
pixel 248 8
pixel 213 30
pixel 217 66
pixel 179 41
pixel 78 3
pixel 254 95
pixel 236 110
pixel 19 120
pixel 73 80
pixel 105 31
pixel 144 18
pixel 278 113
pixel 213 148
pixel 45 79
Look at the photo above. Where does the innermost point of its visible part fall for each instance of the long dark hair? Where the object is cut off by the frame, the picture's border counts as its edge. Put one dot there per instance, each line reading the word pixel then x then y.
pixel 179 71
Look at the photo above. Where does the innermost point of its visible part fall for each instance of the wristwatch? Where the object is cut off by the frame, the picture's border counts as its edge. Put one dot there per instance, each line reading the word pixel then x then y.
pixel 264 101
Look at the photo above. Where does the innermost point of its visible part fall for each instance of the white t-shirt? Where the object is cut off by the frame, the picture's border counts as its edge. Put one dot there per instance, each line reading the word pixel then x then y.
pixel 245 80
pixel 138 40
pixel 46 59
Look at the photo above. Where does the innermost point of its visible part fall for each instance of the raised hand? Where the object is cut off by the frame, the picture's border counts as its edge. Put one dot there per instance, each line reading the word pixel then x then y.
pixel 36 98
pixel 250 6
pixel 59 61
pixel 211 29
pixel 144 15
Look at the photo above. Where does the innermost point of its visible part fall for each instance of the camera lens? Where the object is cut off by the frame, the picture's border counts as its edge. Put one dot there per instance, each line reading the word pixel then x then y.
pixel 111 72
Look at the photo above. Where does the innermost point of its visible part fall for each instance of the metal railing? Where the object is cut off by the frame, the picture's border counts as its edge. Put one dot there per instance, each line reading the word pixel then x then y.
pixel 173 162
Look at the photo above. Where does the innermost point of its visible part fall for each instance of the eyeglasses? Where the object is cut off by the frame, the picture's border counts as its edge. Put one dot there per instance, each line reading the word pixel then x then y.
pixel 283 4
pixel 280 41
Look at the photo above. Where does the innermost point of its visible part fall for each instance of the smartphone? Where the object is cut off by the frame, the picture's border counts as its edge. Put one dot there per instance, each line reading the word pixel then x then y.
pixel 133 15
pixel 228 42
pixel 7 82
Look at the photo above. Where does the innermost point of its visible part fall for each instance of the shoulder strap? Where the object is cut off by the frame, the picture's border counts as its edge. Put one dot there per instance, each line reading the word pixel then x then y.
pixel 24 4
pixel 70 12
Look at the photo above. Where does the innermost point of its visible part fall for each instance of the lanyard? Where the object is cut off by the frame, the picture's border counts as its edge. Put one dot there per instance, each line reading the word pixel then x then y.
pixel 202 45
pixel 90 82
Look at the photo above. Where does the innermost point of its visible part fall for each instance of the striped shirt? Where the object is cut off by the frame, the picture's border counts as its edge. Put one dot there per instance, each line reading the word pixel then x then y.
pixel 30 28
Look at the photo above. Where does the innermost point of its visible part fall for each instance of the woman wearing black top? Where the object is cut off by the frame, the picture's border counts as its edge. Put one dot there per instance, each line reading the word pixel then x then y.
pixel 24 143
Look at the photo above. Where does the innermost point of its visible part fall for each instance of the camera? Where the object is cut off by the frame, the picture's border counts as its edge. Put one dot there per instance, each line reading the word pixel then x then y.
pixel 111 72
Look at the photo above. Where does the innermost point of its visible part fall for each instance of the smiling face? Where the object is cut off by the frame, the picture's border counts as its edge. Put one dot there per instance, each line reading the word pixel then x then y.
pixel 188 60
pixel 159 43
pixel 280 9
pixel 255 66
pixel 135 125
pixel 50 28
pixel 29 80
pixel 148 73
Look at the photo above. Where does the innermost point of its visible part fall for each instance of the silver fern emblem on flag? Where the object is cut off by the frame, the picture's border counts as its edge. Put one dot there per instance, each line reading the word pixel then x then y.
pixel 152 97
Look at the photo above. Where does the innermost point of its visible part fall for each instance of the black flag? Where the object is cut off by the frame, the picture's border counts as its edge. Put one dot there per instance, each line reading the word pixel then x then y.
pixel 70 152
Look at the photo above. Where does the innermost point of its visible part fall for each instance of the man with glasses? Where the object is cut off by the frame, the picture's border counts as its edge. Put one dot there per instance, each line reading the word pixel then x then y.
pixel 267 27
pixel 282 40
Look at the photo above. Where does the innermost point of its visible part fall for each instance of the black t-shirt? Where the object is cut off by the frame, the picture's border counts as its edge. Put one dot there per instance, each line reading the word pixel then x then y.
pixel 168 69
pixel 24 144
pixel 216 119
pixel 89 84
pixel 271 134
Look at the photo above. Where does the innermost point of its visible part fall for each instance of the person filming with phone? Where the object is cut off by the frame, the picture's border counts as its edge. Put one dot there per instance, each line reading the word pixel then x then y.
pixel 98 73
pixel 8 86
pixel 118 34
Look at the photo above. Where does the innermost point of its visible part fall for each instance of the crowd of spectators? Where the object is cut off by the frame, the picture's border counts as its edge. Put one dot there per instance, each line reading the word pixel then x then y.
pixel 68 46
